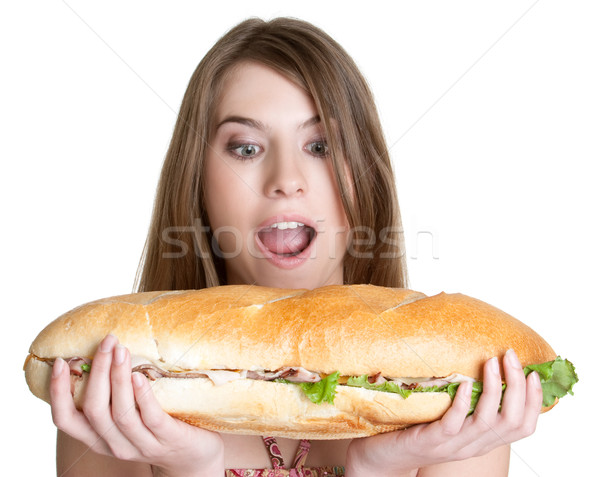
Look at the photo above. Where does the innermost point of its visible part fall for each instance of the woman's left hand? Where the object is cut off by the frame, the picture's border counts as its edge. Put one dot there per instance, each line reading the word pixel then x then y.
pixel 457 436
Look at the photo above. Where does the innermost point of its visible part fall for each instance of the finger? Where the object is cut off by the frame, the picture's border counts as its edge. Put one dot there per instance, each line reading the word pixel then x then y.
pixel 453 420
pixel 156 420
pixel 65 415
pixel 533 403
pixel 120 381
pixel 486 411
pixel 124 413
pixel 513 403
pixel 479 428
pixel 97 402
pixel 97 397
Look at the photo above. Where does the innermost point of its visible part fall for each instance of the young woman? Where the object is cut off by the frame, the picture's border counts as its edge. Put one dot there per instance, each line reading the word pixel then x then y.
pixel 277 175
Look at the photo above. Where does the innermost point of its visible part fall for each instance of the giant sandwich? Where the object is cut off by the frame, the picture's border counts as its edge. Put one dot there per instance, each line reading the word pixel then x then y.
pixel 331 363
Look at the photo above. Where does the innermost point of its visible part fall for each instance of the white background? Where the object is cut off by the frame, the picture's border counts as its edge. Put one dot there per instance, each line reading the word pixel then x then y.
pixel 491 111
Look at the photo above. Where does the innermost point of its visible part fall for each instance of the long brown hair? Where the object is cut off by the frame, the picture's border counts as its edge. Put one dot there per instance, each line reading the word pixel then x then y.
pixel 178 251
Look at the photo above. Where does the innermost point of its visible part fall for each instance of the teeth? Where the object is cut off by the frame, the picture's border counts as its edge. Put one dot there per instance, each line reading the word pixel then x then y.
pixel 287 225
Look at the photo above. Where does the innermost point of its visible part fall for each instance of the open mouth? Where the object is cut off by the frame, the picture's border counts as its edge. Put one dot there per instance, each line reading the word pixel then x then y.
pixel 287 239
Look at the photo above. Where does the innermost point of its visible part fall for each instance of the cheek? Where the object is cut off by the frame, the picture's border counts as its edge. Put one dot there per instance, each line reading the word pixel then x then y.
pixel 213 202
pixel 219 192
pixel 226 225
pixel 226 201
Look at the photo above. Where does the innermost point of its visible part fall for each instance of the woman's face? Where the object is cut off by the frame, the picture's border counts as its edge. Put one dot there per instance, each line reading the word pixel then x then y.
pixel 271 195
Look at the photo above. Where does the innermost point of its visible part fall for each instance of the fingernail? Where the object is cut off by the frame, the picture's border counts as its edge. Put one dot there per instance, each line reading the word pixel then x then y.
pixel 512 359
pixel 107 344
pixel 138 379
pixel 119 354
pixel 495 368
pixel 58 367
pixel 536 379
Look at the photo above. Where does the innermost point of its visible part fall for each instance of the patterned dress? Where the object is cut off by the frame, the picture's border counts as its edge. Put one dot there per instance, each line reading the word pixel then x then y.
pixel 279 470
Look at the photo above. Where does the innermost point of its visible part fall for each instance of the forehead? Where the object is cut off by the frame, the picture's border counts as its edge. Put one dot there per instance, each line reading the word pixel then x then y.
pixel 251 87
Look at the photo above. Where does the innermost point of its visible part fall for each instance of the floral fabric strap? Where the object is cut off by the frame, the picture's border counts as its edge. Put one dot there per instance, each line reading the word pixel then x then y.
pixel 301 454
pixel 275 453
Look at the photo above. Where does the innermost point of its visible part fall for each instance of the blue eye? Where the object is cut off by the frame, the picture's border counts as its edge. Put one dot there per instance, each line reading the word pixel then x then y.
pixel 318 148
pixel 245 150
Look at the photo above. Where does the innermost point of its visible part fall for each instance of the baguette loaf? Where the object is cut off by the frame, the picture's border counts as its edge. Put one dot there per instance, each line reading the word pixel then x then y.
pixel 352 329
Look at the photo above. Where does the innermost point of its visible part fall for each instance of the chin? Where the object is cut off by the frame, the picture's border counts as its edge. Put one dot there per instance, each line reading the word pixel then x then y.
pixel 293 279
pixel 307 275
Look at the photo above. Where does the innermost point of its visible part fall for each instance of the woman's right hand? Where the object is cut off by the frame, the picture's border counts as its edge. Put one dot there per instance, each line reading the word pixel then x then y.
pixel 111 425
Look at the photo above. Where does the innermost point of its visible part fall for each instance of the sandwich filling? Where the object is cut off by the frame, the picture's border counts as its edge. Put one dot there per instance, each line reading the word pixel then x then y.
pixel 557 378
pixel 289 374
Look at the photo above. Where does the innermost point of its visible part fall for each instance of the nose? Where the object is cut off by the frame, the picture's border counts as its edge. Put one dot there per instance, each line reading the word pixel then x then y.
pixel 284 174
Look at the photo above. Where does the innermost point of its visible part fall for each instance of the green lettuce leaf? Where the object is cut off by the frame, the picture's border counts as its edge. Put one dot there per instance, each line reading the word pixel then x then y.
pixel 452 388
pixel 323 390
pixel 557 378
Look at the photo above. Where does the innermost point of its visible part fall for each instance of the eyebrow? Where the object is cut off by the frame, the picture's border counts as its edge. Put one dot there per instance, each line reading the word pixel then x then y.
pixel 254 123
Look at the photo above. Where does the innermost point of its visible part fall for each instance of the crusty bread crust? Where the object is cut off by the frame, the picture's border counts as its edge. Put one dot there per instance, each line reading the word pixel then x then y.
pixel 353 329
